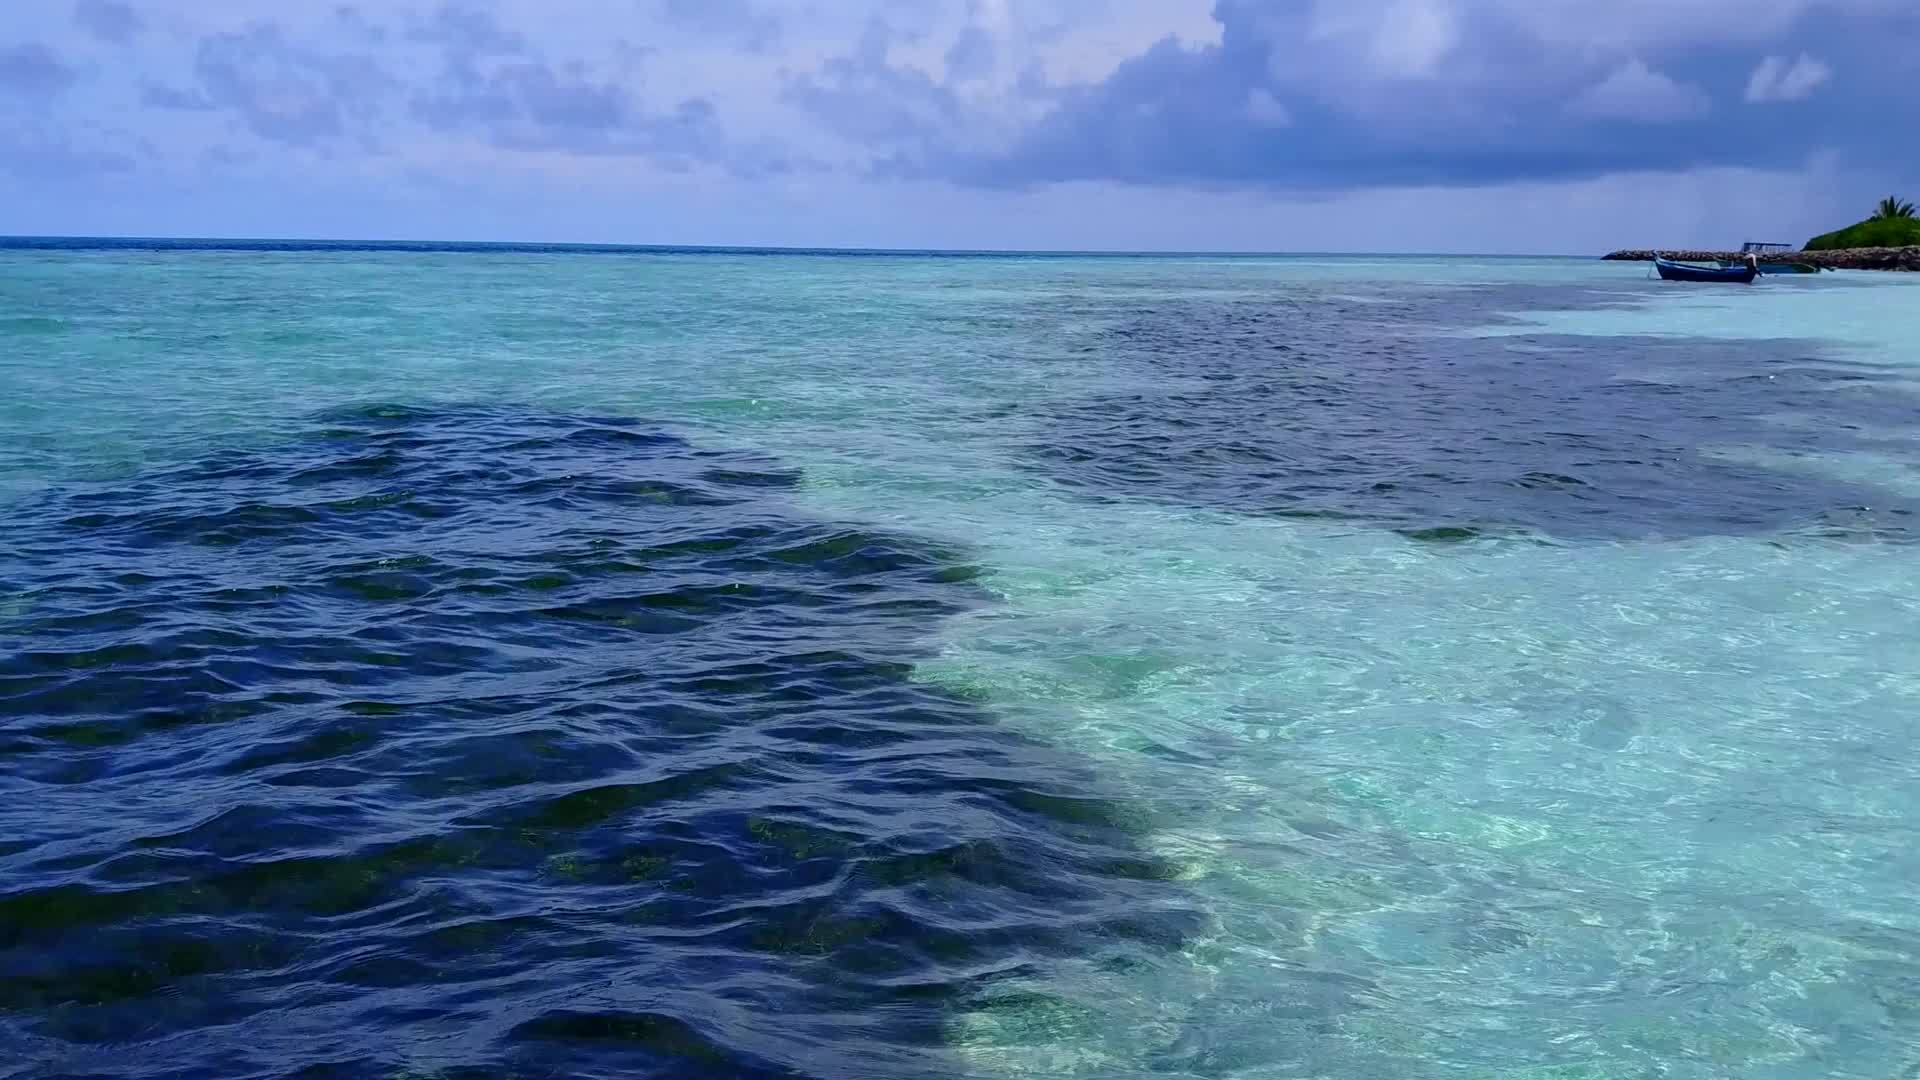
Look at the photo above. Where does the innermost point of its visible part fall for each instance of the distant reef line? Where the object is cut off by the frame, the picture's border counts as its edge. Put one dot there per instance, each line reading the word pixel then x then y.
pixel 1881 258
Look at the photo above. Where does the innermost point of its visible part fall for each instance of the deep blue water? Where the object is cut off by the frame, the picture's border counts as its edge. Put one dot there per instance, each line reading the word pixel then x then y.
pixel 616 769
pixel 730 664
pixel 1334 410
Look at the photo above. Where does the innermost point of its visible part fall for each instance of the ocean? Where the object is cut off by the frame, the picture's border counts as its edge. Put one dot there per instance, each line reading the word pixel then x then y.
pixel 477 661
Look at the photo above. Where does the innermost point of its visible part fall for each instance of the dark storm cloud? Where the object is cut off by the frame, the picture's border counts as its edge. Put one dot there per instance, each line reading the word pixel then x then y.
pixel 1453 93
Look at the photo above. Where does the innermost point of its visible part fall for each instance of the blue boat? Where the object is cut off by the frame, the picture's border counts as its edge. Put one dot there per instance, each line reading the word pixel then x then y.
pixel 1733 275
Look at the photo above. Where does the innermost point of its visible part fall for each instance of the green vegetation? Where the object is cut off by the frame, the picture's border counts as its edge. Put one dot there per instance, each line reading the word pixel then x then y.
pixel 1893 207
pixel 1893 224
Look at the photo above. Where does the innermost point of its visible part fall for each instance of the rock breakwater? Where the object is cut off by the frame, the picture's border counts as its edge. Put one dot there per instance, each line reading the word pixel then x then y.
pixel 1898 258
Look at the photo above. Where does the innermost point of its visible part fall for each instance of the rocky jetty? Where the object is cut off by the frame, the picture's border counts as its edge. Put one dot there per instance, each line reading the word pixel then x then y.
pixel 1893 258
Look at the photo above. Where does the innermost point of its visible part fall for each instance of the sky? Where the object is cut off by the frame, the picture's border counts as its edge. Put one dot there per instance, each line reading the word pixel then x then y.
pixel 1485 126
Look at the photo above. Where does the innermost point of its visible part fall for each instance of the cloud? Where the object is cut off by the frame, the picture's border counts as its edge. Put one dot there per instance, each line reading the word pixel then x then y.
pixel 1405 39
pixel 1775 81
pixel 740 21
pixel 866 99
pixel 161 96
pixel 1636 92
pixel 495 85
pixel 428 86
pixel 529 105
pixel 1331 94
pixel 111 21
pixel 1265 110
pixel 998 98
pixel 972 55
pixel 33 70
pixel 282 91
pixel 469 31
pixel 1158 123
pixel 352 23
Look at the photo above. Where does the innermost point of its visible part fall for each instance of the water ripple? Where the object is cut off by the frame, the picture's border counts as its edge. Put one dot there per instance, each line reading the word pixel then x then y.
pixel 538 744
pixel 1318 410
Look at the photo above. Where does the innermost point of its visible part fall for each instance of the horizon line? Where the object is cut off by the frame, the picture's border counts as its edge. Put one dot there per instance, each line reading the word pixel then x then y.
pixel 59 241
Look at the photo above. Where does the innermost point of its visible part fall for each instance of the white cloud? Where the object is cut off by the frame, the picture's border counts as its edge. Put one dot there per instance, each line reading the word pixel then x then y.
pixel 1415 37
pixel 1395 39
pixel 1637 92
pixel 1775 80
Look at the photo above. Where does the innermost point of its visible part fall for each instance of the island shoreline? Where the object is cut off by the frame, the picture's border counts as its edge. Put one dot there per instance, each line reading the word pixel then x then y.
pixel 1894 258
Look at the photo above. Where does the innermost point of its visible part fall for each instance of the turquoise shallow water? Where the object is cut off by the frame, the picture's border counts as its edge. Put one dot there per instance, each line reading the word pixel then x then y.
pixel 1266 667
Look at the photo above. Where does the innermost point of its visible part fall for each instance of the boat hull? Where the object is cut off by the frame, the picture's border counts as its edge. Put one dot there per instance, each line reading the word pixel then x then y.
pixel 1673 271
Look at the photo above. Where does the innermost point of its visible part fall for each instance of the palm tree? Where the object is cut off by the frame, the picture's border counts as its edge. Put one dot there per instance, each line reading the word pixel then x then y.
pixel 1892 207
